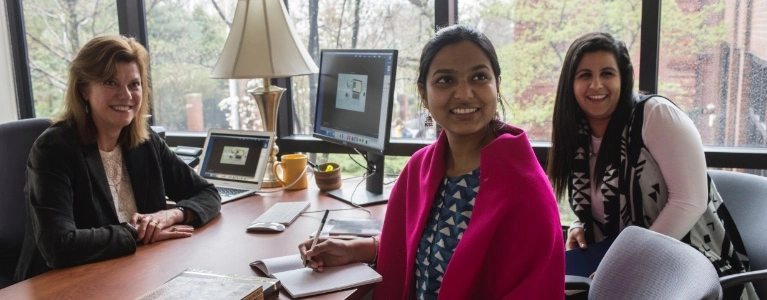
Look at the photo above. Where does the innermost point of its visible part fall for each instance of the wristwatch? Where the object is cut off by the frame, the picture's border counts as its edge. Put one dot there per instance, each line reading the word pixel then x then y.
pixel 183 211
pixel 130 229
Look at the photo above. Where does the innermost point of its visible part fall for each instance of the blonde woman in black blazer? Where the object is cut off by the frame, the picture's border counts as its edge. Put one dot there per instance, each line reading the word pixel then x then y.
pixel 97 180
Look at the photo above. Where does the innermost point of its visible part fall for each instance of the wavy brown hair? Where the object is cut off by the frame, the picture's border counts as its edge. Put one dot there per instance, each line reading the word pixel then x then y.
pixel 95 63
pixel 568 115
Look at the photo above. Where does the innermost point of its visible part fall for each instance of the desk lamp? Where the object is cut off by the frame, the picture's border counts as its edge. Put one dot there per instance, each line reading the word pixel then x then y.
pixel 262 44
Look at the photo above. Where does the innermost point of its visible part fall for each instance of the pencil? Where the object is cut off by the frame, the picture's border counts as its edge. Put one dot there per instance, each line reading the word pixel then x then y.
pixel 317 234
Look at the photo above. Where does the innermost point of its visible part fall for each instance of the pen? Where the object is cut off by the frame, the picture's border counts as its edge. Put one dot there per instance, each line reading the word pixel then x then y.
pixel 317 234
pixel 313 165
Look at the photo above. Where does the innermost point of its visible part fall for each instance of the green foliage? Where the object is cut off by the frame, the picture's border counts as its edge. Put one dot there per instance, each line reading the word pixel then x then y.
pixel 55 30
pixel 185 42
pixel 532 37
pixel 688 32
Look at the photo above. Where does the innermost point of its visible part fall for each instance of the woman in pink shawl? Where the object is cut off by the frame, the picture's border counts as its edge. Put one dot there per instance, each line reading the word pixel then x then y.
pixel 473 214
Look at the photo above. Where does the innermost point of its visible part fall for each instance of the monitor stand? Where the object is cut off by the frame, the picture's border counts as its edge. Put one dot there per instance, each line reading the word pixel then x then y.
pixel 361 197
pixel 373 192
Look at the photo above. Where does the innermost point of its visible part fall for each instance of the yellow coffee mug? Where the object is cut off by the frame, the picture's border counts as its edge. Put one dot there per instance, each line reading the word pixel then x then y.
pixel 293 168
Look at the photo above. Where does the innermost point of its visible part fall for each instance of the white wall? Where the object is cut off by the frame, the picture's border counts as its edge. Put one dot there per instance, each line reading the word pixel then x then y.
pixel 8 110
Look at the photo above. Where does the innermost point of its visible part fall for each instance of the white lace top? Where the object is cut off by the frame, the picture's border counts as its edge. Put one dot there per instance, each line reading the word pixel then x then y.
pixel 119 183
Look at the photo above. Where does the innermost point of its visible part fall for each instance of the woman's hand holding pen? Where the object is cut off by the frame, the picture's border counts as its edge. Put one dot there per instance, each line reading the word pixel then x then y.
pixel 334 252
pixel 159 226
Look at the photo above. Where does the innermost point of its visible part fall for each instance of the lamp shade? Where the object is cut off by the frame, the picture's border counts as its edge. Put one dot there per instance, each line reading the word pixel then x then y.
pixel 262 43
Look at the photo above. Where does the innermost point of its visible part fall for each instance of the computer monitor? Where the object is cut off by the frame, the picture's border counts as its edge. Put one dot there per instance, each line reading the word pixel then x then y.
pixel 355 93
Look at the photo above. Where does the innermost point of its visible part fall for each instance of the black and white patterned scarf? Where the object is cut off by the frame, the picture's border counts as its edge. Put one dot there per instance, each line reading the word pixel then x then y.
pixel 635 192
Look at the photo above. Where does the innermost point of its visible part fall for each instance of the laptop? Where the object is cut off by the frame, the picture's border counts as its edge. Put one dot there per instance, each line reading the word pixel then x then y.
pixel 235 161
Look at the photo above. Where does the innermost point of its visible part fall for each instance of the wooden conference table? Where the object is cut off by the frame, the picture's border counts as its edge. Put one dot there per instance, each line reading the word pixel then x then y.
pixel 221 246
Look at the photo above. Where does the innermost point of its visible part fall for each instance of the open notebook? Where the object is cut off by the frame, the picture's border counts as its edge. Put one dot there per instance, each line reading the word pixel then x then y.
pixel 300 281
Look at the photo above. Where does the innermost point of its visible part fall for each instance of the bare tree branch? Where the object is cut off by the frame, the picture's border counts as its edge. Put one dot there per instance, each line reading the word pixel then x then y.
pixel 151 6
pixel 562 16
pixel 340 25
pixel 356 24
pixel 221 14
pixel 556 50
pixel 45 15
pixel 422 5
pixel 71 24
pixel 47 47
pixel 53 79
pixel 93 16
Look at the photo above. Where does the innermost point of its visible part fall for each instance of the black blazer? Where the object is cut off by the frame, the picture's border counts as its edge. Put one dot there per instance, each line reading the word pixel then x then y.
pixel 71 214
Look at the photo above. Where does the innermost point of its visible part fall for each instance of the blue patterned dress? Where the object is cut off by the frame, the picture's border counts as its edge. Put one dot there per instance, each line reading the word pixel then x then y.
pixel 449 216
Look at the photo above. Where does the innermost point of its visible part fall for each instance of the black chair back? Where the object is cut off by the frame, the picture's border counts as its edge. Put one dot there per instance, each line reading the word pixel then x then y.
pixel 16 139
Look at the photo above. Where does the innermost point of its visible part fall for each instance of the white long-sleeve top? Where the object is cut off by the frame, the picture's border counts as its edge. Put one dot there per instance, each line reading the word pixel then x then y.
pixel 674 142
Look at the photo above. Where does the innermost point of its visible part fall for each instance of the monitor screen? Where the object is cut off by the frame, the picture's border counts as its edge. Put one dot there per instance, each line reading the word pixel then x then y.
pixel 355 92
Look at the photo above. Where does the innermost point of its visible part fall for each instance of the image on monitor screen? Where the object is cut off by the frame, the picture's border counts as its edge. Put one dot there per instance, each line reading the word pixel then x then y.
pixel 355 93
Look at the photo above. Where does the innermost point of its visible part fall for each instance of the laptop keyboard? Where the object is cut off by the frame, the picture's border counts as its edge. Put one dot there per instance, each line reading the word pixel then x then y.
pixel 282 212
pixel 225 191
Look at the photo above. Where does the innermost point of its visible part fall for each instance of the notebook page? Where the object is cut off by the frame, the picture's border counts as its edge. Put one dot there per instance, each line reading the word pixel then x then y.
pixel 279 264
pixel 307 282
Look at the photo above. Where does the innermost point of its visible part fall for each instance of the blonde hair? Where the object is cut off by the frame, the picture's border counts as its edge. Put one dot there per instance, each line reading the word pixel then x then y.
pixel 96 62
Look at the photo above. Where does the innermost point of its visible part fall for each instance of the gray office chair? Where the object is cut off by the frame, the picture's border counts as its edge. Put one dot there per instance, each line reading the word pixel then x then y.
pixel 745 197
pixel 643 264
pixel 16 139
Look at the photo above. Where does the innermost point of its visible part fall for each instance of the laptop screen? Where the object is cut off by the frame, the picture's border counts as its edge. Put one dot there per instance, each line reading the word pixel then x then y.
pixel 236 157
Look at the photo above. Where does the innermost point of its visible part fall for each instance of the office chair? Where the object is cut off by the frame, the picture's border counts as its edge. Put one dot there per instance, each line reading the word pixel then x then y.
pixel 16 139
pixel 643 264
pixel 745 197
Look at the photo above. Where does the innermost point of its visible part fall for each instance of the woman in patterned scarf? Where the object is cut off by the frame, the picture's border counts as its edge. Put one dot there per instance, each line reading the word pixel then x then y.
pixel 620 159
pixel 472 215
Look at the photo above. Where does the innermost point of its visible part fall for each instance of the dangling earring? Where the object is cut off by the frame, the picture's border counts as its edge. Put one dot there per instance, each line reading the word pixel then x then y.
pixel 87 107
pixel 497 116
pixel 429 122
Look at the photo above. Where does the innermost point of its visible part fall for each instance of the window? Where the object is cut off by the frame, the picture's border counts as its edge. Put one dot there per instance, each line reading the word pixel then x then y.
pixel 365 24
pixel 532 38
pixel 361 24
pixel 712 61
pixel 185 39
pixel 55 31
pixel 715 69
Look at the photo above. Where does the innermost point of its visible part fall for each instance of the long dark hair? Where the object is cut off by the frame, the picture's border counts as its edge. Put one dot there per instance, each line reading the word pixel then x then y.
pixel 568 115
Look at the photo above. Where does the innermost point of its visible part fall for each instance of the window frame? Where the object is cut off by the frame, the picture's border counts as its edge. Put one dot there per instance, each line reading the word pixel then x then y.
pixel 132 21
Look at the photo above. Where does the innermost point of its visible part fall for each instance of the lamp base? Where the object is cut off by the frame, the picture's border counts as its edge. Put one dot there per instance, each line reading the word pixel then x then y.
pixel 268 100
pixel 270 180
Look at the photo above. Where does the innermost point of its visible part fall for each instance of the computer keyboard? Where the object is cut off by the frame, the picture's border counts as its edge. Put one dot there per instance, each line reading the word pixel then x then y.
pixel 225 191
pixel 282 212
